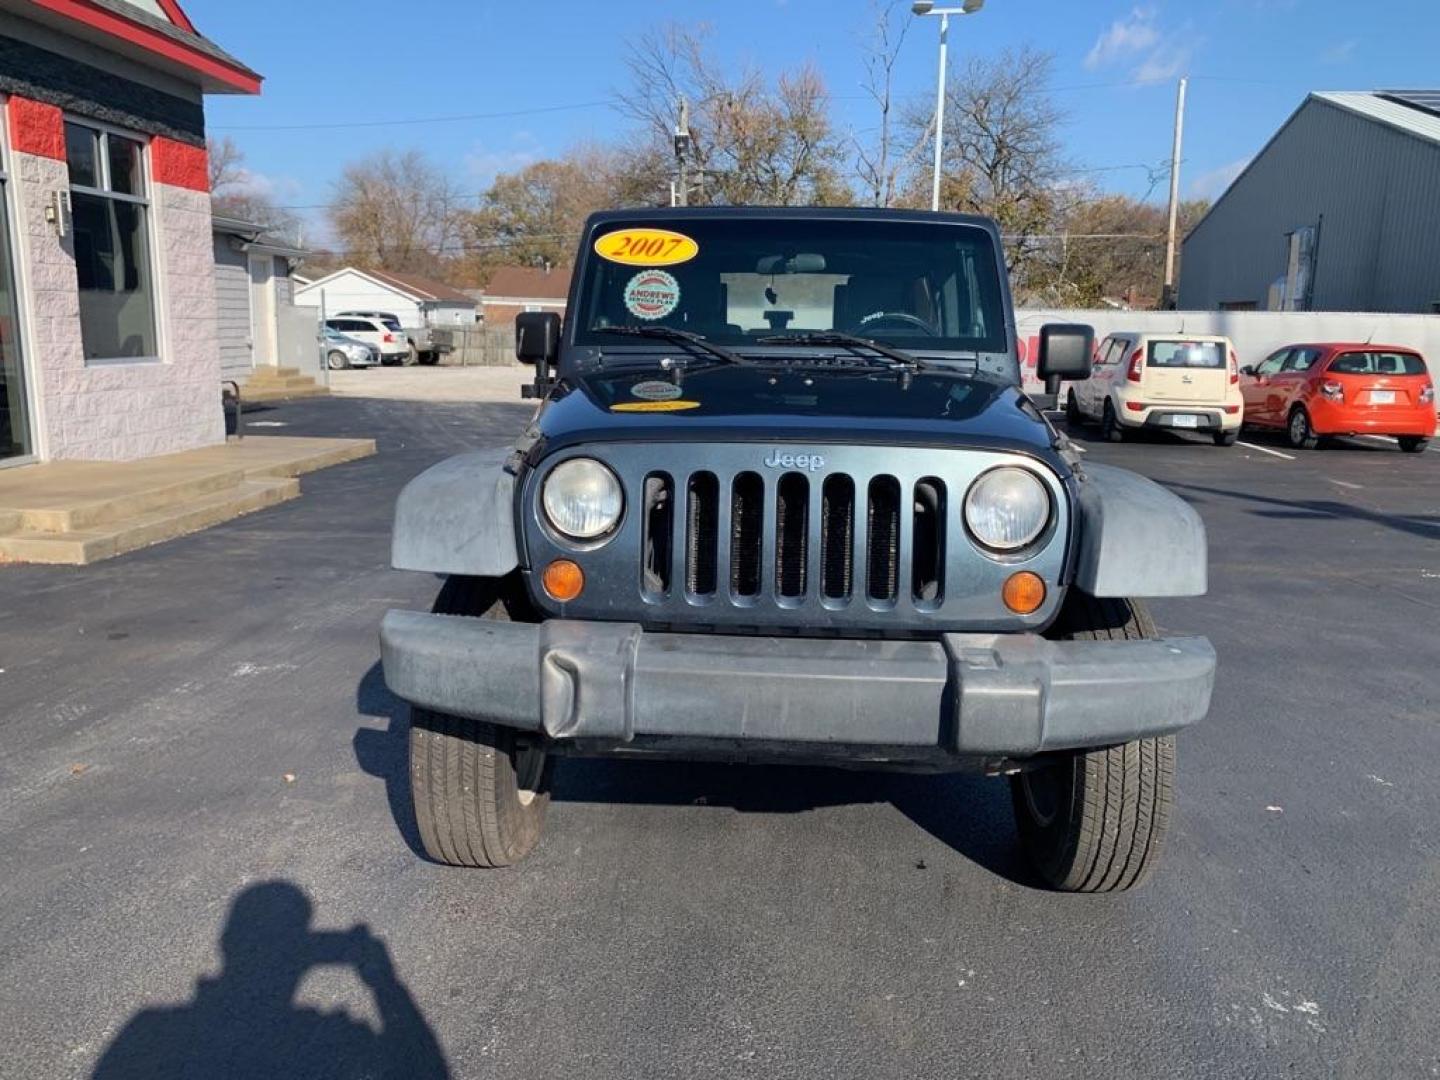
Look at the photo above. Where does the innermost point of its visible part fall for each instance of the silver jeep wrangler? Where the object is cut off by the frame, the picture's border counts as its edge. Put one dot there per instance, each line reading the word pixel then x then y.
pixel 785 499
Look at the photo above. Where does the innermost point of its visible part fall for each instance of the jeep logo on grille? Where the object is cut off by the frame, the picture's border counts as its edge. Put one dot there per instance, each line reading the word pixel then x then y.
pixel 808 462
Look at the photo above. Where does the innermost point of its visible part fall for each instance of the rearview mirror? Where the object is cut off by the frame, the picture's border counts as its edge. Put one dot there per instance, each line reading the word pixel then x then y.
pixel 1066 353
pixel 537 337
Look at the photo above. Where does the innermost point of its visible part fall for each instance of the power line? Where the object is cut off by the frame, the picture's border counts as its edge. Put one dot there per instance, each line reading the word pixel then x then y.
pixel 1085 236
pixel 458 118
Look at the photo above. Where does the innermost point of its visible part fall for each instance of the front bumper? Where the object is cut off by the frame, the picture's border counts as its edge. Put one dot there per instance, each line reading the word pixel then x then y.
pixel 966 694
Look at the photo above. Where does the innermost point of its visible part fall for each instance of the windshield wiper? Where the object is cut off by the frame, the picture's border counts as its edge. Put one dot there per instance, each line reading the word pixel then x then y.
pixel 671 333
pixel 853 341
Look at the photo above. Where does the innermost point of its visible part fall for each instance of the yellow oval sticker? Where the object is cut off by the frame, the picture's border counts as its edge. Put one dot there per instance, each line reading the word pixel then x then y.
pixel 654 406
pixel 646 247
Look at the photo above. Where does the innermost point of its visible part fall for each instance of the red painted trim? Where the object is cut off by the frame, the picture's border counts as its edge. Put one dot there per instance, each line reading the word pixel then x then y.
pixel 178 17
pixel 179 164
pixel 36 128
pixel 107 21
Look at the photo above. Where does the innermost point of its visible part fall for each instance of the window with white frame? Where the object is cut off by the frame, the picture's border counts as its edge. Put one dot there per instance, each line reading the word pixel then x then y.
pixel 113 261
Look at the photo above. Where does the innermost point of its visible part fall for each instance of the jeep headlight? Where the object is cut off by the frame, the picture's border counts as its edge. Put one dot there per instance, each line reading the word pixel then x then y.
pixel 1007 508
pixel 582 499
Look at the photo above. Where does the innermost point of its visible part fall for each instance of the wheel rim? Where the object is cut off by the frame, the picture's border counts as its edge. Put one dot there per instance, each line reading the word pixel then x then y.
pixel 529 768
pixel 336 361
pixel 1297 427
pixel 1041 788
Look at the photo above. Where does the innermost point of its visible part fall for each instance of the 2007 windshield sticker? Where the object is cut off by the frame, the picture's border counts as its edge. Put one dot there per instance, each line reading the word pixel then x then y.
pixel 652 294
pixel 646 247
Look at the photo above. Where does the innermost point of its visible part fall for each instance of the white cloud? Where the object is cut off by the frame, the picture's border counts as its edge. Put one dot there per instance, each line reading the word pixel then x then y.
pixel 1150 53
pixel 1342 52
pixel 261 185
pixel 1164 63
pixel 484 163
pixel 1126 37
pixel 1210 185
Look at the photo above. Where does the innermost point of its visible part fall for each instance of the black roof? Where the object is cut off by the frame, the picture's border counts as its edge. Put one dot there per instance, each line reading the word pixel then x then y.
pixel 790 213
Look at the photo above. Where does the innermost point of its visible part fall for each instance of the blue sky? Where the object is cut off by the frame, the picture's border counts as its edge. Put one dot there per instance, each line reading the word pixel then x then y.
pixel 1251 62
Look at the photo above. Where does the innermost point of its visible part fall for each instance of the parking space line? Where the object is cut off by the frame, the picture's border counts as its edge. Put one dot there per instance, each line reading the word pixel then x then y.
pixel 1392 440
pixel 1346 484
pixel 1266 450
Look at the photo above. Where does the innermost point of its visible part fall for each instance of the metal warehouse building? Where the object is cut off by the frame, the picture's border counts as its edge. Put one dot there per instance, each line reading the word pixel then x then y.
pixel 1339 212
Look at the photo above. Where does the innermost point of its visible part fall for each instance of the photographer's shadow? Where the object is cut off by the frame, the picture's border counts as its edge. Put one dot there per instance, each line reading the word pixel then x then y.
pixel 245 1023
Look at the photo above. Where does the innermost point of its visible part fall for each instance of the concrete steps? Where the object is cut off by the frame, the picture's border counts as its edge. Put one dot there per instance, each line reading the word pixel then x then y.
pixel 146 498
pixel 75 513
pixel 280 383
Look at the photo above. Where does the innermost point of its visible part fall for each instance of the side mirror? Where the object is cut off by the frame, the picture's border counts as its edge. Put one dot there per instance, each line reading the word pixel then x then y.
pixel 1067 351
pixel 1248 369
pixel 537 338
pixel 537 342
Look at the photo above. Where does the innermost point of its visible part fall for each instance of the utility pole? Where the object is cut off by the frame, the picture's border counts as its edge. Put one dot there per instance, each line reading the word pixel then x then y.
pixel 680 194
pixel 940 115
pixel 1167 295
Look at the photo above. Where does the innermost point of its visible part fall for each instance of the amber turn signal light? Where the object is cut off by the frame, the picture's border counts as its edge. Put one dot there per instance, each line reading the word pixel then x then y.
pixel 563 580
pixel 1023 593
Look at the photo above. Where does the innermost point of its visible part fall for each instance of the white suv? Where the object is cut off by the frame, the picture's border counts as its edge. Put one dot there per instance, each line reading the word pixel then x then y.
pixel 1180 382
pixel 394 349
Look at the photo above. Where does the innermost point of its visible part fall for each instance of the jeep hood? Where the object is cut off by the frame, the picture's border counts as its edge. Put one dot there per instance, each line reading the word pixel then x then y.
pixel 760 402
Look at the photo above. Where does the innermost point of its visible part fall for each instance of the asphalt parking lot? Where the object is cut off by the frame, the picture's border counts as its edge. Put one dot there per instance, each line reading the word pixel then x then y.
pixel 203 787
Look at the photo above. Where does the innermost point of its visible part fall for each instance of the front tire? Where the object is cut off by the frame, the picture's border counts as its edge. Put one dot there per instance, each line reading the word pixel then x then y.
pixel 1095 820
pixel 480 791
pixel 1298 431
pixel 1110 425
pixel 1413 444
pixel 336 361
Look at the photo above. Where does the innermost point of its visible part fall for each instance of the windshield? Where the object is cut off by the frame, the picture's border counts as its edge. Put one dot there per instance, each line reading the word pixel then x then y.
pixel 918 286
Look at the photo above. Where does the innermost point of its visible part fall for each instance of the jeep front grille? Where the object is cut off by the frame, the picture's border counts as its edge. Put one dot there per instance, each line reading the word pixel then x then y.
pixel 763 533
pixel 873 540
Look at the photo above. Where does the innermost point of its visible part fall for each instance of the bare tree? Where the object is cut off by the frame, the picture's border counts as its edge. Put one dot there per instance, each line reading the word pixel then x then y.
pixel 227 162
pixel 1105 248
pixel 752 142
pixel 883 160
pixel 235 193
pixel 1002 149
pixel 396 212
pixel 535 215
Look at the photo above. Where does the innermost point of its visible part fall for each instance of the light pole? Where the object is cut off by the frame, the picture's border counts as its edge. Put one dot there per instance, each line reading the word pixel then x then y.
pixel 927 7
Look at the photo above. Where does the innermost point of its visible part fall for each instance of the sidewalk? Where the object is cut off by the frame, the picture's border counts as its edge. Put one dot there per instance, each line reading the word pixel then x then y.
pixel 487 384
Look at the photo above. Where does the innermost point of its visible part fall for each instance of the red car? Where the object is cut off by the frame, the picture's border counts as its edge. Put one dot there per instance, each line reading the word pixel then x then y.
pixel 1342 389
